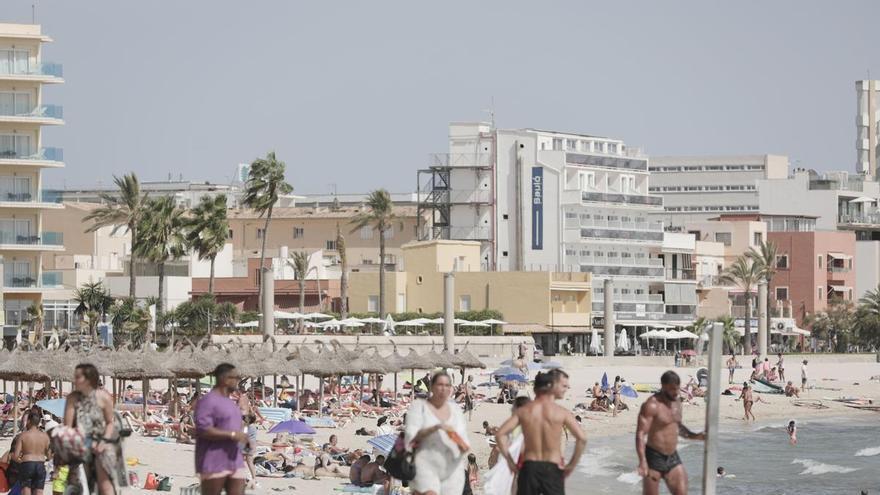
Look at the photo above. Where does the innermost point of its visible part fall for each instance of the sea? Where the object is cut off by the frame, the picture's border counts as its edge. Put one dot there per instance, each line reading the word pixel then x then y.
pixel 833 456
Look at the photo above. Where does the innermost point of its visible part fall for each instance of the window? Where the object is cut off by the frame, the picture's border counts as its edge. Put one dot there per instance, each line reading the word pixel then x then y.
pixel 389 232
pixel 557 144
pixel 612 147
pixel 14 61
pixel 571 145
pixel 782 293
pixel 259 233
pixel 367 261
pixel 759 238
pixel 366 232
pixel 782 261
pixel 464 303
pixel 504 253
pixel 330 245
pixel 819 293
pixel 627 184
pixel 298 232
pixel 598 147
pixel 819 259
pixel 230 233
pixel 586 181
pixel 14 145
pixel 373 304
pixel 15 103
pixel 585 146
pixel 723 237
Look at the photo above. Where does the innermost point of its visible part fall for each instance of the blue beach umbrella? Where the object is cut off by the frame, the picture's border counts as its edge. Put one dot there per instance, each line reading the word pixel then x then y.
pixel 604 381
pixel 628 391
pixel 294 427
pixel 383 443
pixel 55 407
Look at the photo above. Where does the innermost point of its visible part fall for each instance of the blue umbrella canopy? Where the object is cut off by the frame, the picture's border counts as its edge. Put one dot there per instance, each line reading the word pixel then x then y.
pixel 513 377
pixel 294 427
pixel 507 370
pixel 55 407
pixel 628 391
pixel 383 443
pixel 604 381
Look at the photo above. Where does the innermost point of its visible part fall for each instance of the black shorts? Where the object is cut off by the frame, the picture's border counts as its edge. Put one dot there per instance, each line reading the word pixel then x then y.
pixel 661 462
pixel 540 478
pixel 32 474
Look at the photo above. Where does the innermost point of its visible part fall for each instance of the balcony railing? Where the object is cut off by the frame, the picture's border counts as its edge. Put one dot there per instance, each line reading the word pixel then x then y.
pixel 608 261
pixel 640 226
pixel 46 239
pixel 863 218
pixel 681 274
pixel 52 279
pixel 464 160
pixel 838 269
pixel 629 199
pixel 630 235
pixel 20 281
pixel 622 271
pixel 44 154
pixel 44 111
pixel 607 161
pixel 26 197
pixel 632 307
pixel 41 69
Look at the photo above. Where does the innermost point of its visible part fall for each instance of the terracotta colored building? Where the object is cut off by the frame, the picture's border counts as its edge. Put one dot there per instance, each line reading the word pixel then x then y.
pixel 244 291
pixel 812 269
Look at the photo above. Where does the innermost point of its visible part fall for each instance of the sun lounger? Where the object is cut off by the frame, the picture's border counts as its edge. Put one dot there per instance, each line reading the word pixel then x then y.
pixel 321 422
pixel 275 414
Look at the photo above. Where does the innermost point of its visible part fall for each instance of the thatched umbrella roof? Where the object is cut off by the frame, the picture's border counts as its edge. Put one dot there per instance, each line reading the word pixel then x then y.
pixel 283 365
pixel 324 364
pixel 414 361
pixel 390 364
pixel 464 359
pixel 24 366
pixel 60 365
pixel 186 364
pixel 138 365
pixel 437 360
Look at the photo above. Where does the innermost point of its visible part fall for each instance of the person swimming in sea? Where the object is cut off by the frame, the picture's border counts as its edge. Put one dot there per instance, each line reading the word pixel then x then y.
pixel 792 432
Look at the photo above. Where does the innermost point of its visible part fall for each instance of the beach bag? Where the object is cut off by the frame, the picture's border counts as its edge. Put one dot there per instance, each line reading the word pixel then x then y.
pixel 4 483
pixel 151 482
pixel 68 444
pixel 164 484
pixel 400 463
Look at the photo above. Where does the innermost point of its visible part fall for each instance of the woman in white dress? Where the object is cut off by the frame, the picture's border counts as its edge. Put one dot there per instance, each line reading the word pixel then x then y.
pixel 437 431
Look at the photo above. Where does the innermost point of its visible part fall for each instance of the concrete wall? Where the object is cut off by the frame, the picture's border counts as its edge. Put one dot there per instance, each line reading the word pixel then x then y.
pixel 177 289
pixel 868 267
pixel 106 251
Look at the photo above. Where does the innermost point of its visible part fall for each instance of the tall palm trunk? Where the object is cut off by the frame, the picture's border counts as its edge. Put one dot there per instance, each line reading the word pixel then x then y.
pixel 132 263
pixel 302 296
pixel 160 306
pixel 343 289
pixel 747 341
pixel 381 272
pixel 211 276
pixel 262 260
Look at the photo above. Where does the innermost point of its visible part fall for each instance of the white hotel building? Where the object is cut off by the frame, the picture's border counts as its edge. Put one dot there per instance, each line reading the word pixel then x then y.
pixel 23 156
pixel 552 201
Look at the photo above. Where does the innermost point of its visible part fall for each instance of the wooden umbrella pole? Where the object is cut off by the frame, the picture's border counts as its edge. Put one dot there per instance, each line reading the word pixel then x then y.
pixel 321 403
pixel 274 390
pixel 145 390
pixel 15 410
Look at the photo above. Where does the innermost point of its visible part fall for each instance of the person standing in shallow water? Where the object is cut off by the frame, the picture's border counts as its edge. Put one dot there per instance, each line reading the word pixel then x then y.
pixel 659 426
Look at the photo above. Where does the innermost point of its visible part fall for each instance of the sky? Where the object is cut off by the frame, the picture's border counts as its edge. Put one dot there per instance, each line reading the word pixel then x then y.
pixel 354 96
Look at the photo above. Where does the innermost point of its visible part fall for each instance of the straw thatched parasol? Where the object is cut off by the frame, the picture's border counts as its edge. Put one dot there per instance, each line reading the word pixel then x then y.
pixel 141 365
pixel 437 360
pixel 186 364
pixel 22 366
pixel 465 359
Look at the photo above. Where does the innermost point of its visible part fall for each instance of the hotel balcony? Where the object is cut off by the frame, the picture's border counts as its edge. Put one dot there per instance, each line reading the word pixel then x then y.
pixel 605 161
pixel 47 241
pixel 44 157
pixel 42 115
pixel 31 283
pixel 10 199
pixel 622 271
pixel 46 72
pixel 687 275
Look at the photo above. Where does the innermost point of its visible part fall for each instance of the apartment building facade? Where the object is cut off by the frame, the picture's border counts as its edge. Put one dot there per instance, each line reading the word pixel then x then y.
pixel 24 241
pixel 541 200
pixel 697 188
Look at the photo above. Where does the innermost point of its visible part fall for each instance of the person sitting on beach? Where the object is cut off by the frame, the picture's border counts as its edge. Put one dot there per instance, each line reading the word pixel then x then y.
pixel 791 429
pixel 377 400
pixel 352 457
pixel 334 447
pixel 326 468
pixel 489 430
pixel 599 404
pixel 372 473
pixel 597 390
pixel 792 391
pixel 773 375
pixel 354 473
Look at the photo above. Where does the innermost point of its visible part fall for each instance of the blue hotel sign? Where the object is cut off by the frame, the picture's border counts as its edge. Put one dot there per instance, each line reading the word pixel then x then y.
pixel 538 208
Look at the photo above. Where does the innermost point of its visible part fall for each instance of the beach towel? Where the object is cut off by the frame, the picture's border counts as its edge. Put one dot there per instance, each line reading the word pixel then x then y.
pixel 275 414
pixel 321 422
pixel 354 489
pixel 499 479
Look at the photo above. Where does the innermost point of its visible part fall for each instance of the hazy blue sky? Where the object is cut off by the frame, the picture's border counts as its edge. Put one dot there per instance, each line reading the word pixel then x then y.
pixel 358 93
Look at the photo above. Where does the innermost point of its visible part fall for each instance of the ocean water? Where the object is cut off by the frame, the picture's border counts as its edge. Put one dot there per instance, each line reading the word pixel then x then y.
pixel 831 457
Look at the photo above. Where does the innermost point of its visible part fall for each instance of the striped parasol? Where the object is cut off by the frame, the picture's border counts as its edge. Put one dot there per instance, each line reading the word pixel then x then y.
pixel 383 443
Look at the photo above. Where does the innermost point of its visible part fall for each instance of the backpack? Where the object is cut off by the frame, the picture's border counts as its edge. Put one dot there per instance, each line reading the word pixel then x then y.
pixel 68 444
pixel 400 463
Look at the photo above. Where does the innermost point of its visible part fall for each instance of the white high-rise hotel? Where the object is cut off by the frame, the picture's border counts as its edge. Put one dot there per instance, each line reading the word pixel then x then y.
pixel 23 156
pixel 545 200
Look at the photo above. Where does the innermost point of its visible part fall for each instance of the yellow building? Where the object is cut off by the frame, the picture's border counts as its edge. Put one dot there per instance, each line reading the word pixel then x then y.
pixel 23 156
pixel 311 229
pixel 551 306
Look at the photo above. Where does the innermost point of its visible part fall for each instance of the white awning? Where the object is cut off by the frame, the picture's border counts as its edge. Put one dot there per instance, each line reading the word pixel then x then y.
pixel 838 286
pixel 863 199
pixel 840 256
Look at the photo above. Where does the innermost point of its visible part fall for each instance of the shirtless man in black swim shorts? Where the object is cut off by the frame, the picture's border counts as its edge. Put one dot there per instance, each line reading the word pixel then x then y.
pixel 659 426
pixel 542 471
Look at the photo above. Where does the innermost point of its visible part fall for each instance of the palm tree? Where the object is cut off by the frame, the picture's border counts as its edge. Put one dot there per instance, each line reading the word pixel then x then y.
pixel 34 320
pixel 765 258
pixel 264 185
pixel 162 239
pixel 300 264
pixel 93 301
pixel 343 279
pixel 208 231
pixel 729 335
pixel 380 214
pixel 870 302
pixel 744 273
pixel 699 327
pixel 124 210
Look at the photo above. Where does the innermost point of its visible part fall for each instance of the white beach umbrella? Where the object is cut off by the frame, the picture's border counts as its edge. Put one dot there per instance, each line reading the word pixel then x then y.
pixel 492 321
pixel 372 319
pixel 330 323
pixel 622 341
pixel 250 324
pixel 594 342
pixel 436 321
pixel 350 322
pixel 284 315
pixel 685 334
pixel 316 316
pixel 475 324
pixel 418 322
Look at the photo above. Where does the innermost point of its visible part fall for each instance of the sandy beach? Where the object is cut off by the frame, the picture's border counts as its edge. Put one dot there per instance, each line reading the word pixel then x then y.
pixel 832 377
